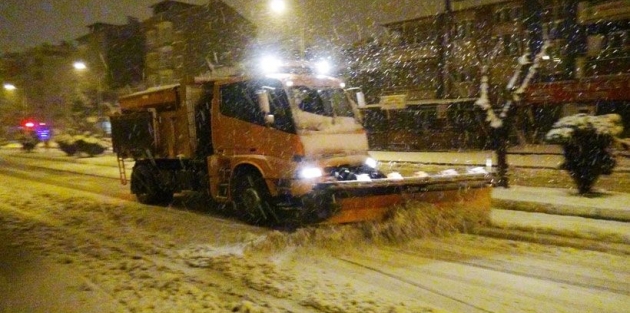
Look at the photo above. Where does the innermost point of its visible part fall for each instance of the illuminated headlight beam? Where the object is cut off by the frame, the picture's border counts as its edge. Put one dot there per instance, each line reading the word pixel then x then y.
pixel 371 162
pixel 310 172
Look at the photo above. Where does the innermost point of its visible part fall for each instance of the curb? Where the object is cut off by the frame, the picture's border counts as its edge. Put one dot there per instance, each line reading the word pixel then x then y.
pixel 617 169
pixel 570 210
pixel 550 239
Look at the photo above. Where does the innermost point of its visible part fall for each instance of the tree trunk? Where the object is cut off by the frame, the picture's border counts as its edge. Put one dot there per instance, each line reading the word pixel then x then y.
pixel 502 165
pixel 501 146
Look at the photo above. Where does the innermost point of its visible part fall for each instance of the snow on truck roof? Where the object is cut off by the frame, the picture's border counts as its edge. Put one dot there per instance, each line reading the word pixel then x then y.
pixel 296 79
pixel 155 96
pixel 150 90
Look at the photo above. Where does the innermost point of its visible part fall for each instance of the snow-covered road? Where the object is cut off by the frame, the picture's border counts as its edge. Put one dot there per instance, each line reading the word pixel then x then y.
pixel 76 243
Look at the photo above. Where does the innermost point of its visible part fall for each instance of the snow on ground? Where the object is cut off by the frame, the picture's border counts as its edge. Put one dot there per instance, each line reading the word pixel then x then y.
pixel 142 256
pixel 151 259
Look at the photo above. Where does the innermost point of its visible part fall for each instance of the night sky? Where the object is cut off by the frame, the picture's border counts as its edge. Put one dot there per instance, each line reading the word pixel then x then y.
pixel 28 23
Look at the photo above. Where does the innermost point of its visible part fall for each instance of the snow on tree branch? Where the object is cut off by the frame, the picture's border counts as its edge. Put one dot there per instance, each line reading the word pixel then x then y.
pixel 532 71
pixel 483 101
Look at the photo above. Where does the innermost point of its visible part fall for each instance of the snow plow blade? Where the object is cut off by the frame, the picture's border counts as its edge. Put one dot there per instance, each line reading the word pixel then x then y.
pixel 357 201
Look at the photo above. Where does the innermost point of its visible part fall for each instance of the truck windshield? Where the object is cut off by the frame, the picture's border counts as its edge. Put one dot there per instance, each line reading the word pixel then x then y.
pixel 322 101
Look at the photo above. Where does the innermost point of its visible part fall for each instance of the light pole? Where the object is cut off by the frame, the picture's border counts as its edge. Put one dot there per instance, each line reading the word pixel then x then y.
pixel 82 66
pixel 279 8
pixel 13 89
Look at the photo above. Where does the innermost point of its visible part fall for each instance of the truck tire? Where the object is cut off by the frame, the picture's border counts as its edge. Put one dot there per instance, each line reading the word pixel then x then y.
pixel 252 198
pixel 146 186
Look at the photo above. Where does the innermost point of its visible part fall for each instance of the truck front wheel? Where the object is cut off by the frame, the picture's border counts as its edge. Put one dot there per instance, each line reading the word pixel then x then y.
pixel 252 198
pixel 145 184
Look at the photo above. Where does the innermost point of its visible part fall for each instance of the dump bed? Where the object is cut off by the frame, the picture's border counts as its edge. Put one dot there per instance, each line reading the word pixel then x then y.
pixel 157 123
pixel 132 134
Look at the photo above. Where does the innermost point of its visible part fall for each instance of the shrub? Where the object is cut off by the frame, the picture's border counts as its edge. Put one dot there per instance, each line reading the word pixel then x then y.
pixel 586 141
pixel 84 143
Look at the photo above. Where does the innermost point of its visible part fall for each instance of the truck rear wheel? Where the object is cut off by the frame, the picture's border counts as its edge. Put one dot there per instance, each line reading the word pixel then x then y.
pixel 146 186
pixel 252 198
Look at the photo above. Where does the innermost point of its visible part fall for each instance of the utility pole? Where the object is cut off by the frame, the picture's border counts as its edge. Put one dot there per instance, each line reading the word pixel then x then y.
pixel 444 50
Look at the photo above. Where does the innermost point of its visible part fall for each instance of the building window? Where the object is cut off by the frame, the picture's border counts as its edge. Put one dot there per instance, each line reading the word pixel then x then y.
pixel 510 14
pixel 152 60
pixel 167 77
pixel 510 45
pixel 165 32
pixel 617 41
pixel 166 57
pixel 464 29
pixel 151 38
pixel 516 13
pixel 553 29
pixel 152 80
pixel 179 61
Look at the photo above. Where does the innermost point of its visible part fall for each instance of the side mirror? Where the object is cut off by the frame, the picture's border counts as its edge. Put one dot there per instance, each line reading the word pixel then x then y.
pixel 265 107
pixel 361 99
pixel 263 101
pixel 270 119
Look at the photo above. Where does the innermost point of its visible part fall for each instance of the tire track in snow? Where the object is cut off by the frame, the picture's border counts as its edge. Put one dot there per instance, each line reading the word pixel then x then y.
pixel 615 286
pixel 484 289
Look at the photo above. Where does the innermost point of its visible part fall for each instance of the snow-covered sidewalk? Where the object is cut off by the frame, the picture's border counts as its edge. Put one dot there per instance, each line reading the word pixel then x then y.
pixel 605 205
pixel 536 158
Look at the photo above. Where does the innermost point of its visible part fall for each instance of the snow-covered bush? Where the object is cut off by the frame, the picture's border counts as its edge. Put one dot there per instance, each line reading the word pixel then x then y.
pixel 66 144
pixel 90 145
pixel 85 143
pixel 29 140
pixel 587 141
pixel 605 126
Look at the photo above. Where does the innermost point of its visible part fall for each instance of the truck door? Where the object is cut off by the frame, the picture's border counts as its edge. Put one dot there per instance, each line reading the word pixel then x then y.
pixel 243 128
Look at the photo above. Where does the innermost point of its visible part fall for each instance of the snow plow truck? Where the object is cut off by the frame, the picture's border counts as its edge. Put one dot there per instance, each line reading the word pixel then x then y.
pixel 273 147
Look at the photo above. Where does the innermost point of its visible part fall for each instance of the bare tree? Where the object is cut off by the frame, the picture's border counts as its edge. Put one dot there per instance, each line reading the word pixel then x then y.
pixel 502 122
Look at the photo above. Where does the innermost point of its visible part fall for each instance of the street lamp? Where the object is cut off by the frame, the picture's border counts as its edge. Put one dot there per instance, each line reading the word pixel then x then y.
pixel 82 66
pixel 13 89
pixel 79 65
pixel 279 7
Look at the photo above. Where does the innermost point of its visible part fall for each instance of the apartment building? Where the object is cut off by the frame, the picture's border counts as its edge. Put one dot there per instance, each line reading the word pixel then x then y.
pixel 187 40
pixel 42 80
pixel 113 54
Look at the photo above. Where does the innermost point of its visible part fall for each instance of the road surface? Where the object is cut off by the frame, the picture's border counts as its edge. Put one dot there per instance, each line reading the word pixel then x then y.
pixel 75 241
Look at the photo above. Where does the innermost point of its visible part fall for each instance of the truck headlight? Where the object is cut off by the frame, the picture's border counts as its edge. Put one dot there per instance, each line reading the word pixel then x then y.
pixel 310 172
pixel 371 162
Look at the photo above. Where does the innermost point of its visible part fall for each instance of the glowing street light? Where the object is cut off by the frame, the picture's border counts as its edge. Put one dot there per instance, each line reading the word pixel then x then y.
pixel 278 6
pixel 79 65
pixel 19 95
